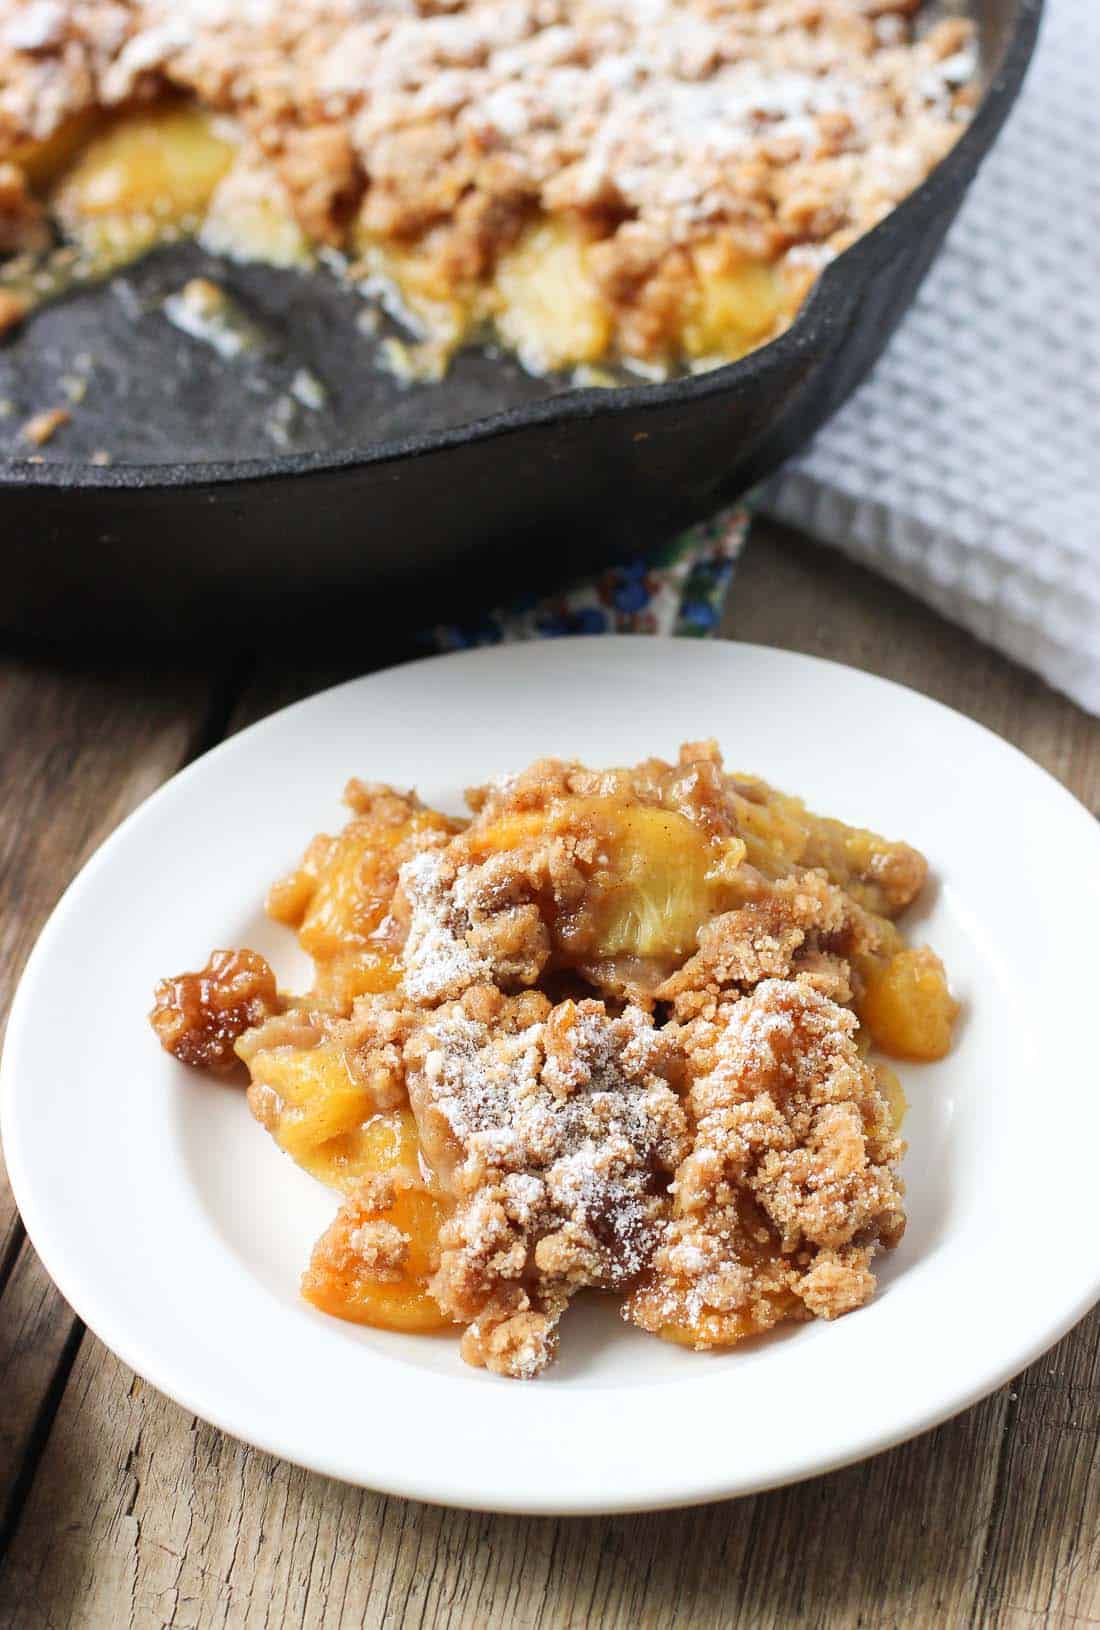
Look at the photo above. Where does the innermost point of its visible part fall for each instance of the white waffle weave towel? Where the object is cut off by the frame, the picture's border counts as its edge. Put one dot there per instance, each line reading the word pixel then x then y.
pixel 967 468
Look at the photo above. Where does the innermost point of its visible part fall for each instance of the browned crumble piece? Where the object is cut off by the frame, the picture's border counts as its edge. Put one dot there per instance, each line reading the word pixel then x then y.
pixel 468 923
pixel 199 1016
pixel 323 177
pixel 801 926
pixel 515 1336
pixel 23 225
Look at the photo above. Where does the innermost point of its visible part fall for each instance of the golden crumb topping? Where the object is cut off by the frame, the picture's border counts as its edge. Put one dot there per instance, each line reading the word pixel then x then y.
pixel 555 1130
pixel 791 1184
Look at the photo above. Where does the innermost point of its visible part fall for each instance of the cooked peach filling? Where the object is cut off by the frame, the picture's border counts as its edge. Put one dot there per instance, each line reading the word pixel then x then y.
pixel 329 1124
pixel 146 174
pixel 550 310
pixel 119 183
pixel 375 1264
pixel 672 936
pixel 339 898
pixel 907 1006
pixel 780 832
pixel 662 880
pixel 654 877
pixel 326 1120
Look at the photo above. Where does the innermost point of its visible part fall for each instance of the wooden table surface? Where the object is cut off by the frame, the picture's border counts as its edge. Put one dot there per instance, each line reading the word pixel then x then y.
pixel 119 1509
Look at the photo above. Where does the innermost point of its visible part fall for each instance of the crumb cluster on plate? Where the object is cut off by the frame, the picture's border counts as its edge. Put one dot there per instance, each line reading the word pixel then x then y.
pixel 617 1032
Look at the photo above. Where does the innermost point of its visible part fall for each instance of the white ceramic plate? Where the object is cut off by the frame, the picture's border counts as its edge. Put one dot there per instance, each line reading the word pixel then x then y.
pixel 178 1231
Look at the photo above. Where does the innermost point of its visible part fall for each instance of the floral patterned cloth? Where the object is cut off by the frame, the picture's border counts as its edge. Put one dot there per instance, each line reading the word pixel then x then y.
pixel 679 589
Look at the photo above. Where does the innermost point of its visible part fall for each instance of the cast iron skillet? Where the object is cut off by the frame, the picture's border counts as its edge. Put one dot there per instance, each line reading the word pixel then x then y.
pixel 388 503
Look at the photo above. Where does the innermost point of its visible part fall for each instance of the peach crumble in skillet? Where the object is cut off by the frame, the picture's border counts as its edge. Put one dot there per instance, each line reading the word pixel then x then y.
pixel 613 1032
pixel 652 183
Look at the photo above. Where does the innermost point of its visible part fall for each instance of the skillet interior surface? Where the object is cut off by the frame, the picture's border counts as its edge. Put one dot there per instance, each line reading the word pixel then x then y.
pixel 309 379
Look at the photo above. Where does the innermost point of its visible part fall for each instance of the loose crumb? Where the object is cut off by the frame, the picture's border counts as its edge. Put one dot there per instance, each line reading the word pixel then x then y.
pixel 13 308
pixel 42 427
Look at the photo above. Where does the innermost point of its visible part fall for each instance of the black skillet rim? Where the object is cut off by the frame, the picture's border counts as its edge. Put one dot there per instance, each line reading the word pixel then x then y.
pixel 864 256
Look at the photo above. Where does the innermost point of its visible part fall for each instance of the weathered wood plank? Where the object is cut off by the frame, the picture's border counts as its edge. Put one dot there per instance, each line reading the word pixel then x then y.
pixel 38 1337
pixel 79 748
pixel 1043 1557
pixel 142 1516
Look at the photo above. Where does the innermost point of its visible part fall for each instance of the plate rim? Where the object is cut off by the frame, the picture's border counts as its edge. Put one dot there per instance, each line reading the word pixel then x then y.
pixel 425 1487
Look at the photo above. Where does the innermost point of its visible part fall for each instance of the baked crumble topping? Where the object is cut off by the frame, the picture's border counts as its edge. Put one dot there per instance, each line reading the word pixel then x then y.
pixel 654 180
pixel 791 1185
pixel 555 1130
pixel 611 1034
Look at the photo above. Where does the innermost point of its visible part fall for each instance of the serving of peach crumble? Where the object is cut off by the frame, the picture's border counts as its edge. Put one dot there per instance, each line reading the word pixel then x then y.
pixel 652 183
pixel 614 1032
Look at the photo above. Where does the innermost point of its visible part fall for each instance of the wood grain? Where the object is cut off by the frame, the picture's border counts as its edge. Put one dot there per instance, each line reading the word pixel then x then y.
pixel 141 1515
pixel 136 1503
pixel 79 748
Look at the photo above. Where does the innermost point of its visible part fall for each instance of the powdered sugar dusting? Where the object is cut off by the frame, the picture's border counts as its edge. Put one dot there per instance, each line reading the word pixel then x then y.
pixel 807 119
pixel 437 960
pixel 567 1134
pixel 791 1185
